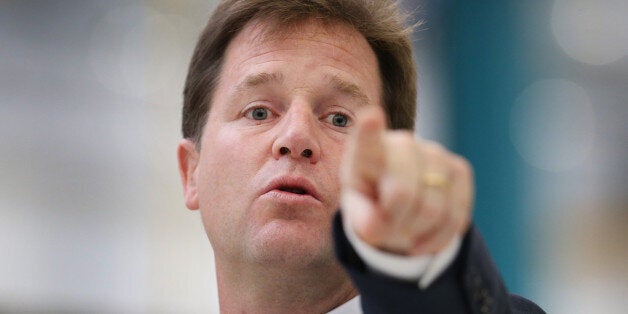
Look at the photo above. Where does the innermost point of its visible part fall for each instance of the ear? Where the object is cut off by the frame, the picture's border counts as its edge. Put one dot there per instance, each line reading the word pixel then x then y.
pixel 188 157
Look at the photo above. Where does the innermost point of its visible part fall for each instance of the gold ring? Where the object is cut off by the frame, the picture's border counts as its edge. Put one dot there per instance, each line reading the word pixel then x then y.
pixel 434 180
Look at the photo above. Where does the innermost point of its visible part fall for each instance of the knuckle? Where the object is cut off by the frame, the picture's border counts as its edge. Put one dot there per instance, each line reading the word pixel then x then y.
pixel 460 222
pixel 460 166
pixel 465 222
pixel 402 194
pixel 446 216
pixel 432 147
pixel 446 238
pixel 370 235
pixel 439 242
pixel 431 212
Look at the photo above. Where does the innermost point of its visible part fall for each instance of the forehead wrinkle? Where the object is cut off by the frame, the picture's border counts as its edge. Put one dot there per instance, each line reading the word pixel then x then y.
pixel 261 35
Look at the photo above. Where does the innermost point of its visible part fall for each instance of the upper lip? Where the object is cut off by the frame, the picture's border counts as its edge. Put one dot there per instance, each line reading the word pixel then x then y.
pixel 292 182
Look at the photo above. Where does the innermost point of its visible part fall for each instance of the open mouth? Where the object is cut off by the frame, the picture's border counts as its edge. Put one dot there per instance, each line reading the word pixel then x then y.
pixel 295 186
pixel 295 190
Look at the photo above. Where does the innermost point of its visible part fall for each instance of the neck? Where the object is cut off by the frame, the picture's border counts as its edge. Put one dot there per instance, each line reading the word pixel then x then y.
pixel 281 289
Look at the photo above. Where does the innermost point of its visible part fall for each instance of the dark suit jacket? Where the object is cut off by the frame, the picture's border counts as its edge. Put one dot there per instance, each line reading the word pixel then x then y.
pixel 471 284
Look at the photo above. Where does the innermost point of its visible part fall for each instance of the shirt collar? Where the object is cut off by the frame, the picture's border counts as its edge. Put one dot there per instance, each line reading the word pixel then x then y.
pixel 350 307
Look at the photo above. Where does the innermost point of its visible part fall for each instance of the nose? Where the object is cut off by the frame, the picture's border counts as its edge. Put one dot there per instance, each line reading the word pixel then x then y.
pixel 297 137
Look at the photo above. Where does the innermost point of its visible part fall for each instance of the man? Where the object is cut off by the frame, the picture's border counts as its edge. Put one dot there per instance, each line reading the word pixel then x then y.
pixel 286 111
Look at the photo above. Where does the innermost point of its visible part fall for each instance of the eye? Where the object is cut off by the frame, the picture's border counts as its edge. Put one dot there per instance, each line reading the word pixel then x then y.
pixel 258 113
pixel 338 119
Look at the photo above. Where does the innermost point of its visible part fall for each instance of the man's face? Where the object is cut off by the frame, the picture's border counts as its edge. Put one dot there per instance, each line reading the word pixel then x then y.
pixel 267 177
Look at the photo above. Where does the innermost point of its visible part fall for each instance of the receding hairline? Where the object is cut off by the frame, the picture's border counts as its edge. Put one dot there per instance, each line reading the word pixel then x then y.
pixel 271 27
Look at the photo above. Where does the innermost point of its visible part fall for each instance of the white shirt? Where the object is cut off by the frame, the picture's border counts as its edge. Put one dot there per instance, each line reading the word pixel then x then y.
pixel 350 307
pixel 424 269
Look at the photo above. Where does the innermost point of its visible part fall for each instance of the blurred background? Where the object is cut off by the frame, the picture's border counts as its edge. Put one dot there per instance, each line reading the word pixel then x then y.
pixel 534 93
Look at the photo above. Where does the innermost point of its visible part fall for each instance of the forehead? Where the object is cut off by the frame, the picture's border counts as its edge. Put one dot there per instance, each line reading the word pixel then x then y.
pixel 262 35
pixel 315 49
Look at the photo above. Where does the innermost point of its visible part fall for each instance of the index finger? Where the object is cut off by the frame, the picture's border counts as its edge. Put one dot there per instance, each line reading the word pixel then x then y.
pixel 365 157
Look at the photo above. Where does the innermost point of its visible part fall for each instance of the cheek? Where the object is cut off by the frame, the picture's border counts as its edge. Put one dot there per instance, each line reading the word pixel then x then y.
pixel 226 166
pixel 330 172
pixel 224 182
pixel 230 159
pixel 334 154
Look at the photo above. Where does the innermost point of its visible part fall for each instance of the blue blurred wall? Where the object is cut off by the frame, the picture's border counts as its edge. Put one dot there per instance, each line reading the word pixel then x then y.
pixel 477 45
pixel 486 77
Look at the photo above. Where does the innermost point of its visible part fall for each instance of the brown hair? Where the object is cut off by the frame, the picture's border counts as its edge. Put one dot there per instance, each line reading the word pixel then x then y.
pixel 379 21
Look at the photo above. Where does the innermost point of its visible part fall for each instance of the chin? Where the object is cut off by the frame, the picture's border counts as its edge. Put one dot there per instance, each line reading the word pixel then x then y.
pixel 292 242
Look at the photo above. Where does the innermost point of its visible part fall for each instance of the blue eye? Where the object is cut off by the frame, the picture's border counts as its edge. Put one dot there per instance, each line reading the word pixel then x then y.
pixel 339 119
pixel 258 113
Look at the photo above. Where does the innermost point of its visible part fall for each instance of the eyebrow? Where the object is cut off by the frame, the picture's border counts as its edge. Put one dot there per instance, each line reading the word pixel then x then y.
pixel 259 79
pixel 348 88
pixel 333 81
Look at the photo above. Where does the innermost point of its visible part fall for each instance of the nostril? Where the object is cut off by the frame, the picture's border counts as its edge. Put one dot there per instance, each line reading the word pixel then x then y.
pixel 307 153
pixel 284 150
